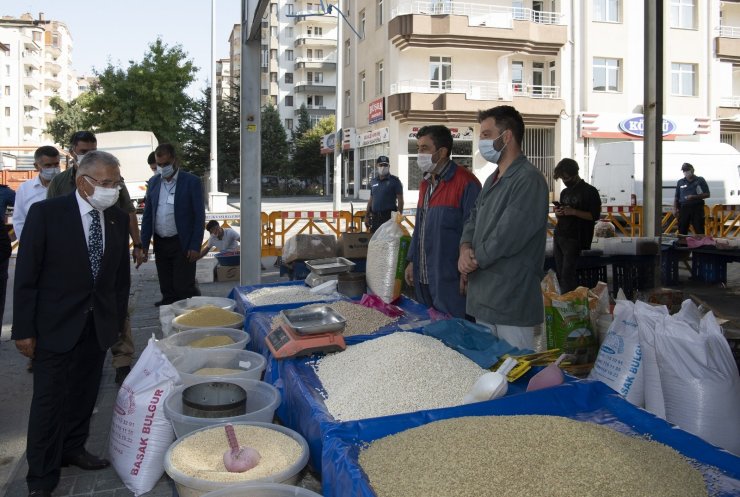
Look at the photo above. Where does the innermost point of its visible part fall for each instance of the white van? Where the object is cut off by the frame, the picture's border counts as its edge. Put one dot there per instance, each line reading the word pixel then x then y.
pixel 618 171
pixel 131 148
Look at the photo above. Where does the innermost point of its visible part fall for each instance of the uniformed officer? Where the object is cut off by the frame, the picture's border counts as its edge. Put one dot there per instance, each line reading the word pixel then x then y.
pixel 386 195
pixel 688 204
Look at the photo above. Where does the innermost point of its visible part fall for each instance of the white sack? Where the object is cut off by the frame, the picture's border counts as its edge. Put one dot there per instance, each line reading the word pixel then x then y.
pixel 647 316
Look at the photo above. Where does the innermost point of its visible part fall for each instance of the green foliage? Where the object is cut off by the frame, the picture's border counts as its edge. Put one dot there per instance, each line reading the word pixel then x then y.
pixel 69 117
pixel 307 159
pixel 274 142
pixel 304 123
pixel 148 95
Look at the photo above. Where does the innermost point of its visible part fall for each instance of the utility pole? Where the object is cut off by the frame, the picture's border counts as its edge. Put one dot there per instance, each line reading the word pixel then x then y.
pixel 340 113
pixel 213 182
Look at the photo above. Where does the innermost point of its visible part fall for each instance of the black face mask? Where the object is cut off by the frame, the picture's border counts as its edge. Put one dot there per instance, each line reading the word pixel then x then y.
pixel 571 182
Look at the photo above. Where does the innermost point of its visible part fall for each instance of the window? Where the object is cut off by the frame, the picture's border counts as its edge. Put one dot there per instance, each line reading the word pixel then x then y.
pixel 606 10
pixel 288 78
pixel 440 71
pixel 379 78
pixel 315 31
pixel 289 32
pixel 347 103
pixel 362 86
pixel 517 76
pixel 319 54
pixel 682 14
pixel 265 55
pixel 683 79
pixel 273 100
pixel 7 90
pixel 347 52
pixel 273 77
pixel 362 23
pixel 288 124
pixel 553 79
pixel 289 55
pixel 318 77
pixel 273 8
pixel 379 13
pixel 319 101
pixel 7 111
pixel 289 100
pixel 538 77
pixel 289 9
pixel 314 120
pixel 606 75
pixel 7 70
pixel 37 36
pixel 264 92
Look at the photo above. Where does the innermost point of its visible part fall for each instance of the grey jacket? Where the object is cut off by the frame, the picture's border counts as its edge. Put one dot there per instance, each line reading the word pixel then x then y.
pixel 507 230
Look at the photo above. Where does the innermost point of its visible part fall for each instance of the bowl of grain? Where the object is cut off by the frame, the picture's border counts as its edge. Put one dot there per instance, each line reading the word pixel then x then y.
pixel 262 401
pixel 208 316
pixel 195 462
pixel 187 305
pixel 219 364
pixel 208 338
pixel 262 490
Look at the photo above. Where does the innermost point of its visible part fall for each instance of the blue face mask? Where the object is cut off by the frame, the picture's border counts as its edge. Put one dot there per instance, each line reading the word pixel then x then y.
pixel 488 150
pixel 166 171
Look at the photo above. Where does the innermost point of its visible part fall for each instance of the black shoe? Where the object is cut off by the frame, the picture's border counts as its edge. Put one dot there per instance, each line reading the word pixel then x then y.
pixel 85 460
pixel 163 302
pixel 121 373
pixel 158 303
pixel 39 493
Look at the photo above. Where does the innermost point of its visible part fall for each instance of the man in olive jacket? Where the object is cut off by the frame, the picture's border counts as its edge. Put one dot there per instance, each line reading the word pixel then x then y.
pixel 502 249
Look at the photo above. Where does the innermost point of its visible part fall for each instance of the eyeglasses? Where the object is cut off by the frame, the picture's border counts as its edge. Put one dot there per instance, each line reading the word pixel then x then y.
pixel 105 184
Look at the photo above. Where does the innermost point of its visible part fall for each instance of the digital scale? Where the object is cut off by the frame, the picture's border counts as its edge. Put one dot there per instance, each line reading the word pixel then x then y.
pixel 307 331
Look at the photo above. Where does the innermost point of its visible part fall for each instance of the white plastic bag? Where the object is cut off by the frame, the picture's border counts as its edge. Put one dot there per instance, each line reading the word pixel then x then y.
pixel 699 378
pixel 647 316
pixel 140 433
pixel 619 363
pixel 386 259
pixel 166 315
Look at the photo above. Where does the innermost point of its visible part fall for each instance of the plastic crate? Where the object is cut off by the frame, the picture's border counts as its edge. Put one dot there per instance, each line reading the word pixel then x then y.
pixel 709 268
pixel 227 258
pixel 669 270
pixel 632 276
pixel 589 276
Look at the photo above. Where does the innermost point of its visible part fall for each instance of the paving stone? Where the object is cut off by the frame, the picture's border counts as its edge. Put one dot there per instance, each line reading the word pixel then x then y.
pixel 17 488
pixel 84 484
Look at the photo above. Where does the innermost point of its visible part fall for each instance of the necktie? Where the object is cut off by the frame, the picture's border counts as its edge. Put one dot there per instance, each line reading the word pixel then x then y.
pixel 95 243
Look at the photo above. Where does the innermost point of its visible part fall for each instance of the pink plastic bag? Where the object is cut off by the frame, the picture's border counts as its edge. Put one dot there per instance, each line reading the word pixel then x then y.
pixel 699 241
pixel 375 302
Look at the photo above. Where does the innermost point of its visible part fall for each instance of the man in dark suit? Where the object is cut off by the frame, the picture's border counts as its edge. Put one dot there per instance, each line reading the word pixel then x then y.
pixel 72 283
pixel 174 214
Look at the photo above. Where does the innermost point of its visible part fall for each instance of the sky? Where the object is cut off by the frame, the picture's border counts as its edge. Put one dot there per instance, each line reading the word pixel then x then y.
pixel 118 31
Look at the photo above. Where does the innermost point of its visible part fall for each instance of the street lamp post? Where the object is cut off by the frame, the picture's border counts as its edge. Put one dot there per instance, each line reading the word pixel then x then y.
pixel 213 183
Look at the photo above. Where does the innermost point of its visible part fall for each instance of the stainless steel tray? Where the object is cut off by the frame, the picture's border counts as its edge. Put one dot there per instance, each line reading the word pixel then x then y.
pixel 320 319
pixel 330 265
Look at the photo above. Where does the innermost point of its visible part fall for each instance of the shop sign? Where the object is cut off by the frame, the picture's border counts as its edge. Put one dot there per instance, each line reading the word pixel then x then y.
pixel 632 126
pixel 381 135
pixel 636 126
pixel 349 138
pixel 376 111
pixel 327 143
pixel 463 134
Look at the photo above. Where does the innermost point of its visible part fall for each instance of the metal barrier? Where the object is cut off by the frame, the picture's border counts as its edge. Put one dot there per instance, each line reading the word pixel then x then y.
pixel 409 218
pixel 626 219
pixel 669 223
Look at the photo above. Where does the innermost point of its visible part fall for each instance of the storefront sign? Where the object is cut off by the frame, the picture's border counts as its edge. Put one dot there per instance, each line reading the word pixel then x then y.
pixel 463 134
pixel 636 126
pixel 327 143
pixel 376 111
pixel 631 126
pixel 381 135
pixel 349 138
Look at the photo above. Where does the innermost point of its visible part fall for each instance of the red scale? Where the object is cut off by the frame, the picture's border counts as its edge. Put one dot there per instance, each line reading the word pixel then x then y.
pixel 307 331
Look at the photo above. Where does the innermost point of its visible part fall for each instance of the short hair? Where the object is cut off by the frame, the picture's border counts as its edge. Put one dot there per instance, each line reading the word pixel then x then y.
pixel 687 167
pixel 212 224
pixel 45 151
pixel 567 167
pixel 165 148
pixel 506 117
pixel 97 158
pixel 82 136
pixel 152 159
pixel 441 136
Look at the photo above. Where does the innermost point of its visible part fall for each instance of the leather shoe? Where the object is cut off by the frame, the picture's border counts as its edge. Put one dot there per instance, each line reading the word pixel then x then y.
pixel 39 493
pixel 122 373
pixel 85 460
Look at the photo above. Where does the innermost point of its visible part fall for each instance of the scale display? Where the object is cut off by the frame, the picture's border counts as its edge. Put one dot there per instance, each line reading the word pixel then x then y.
pixel 284 343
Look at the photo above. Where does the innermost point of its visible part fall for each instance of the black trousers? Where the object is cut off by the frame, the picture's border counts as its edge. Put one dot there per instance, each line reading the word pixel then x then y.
pixel 566 252
pixel 176 274
pixel 378 218
pixel 691 215
pixel 65 388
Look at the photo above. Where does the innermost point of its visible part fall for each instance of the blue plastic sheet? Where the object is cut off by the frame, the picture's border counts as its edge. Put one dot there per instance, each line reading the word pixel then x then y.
pixel 587 401
pixel 474 341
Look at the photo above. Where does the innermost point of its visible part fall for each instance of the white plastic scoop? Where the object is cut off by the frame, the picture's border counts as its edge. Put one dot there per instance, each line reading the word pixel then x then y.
pixel 550 376
pixel 491 385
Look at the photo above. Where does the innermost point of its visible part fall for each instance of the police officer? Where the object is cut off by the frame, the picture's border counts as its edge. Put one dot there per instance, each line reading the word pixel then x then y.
pixel 688 204
pixel 386 195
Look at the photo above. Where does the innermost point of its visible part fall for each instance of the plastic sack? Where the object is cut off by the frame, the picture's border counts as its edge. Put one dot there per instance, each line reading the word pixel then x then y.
pixel 647 317
pixel 305 247
pixel 604 229
pixel 386 259
pixel 619 363
pixel 699 241
pixel 166 316
pixel 140 433
pixel 699 378
pixel 474 341
pixel 568 325
pixel 375 302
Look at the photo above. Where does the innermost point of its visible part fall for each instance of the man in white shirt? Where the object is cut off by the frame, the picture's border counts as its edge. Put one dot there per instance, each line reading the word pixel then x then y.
pixel 46 162
pixel 223 240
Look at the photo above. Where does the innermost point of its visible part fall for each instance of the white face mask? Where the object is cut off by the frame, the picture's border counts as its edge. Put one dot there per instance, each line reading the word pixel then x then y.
pixel 48 173
pixel 383 170
pixel 102 198
pixel 79 158
pixel 425 163
pixel 488 150
pixel 166 171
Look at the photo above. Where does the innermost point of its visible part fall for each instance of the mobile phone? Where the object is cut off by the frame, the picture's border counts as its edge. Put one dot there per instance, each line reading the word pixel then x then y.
pixel 555 203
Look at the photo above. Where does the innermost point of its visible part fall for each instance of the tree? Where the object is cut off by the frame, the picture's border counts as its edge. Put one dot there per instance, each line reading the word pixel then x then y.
pixel 69 117
pixel 274 142
pixel 304 123
pixel 307 156
pixel 148 95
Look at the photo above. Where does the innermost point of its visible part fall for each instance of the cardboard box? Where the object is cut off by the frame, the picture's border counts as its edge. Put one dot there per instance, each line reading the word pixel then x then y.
pixel 226 273
pixel 354 245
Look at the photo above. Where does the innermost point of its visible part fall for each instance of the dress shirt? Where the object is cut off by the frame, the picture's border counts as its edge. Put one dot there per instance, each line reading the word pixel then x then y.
pixel 164 215
pixel 28 193
pixel 85 209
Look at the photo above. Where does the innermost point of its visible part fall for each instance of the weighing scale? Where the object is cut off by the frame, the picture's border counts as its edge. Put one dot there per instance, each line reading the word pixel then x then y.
pixel 311 331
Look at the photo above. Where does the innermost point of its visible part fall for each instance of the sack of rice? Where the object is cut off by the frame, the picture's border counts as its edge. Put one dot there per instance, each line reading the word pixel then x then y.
pixel 386 259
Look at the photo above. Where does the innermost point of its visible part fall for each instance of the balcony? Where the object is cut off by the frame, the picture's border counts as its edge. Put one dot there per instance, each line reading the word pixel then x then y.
pixel 318 110
pixel 476 26
pixel 54 49
pixel 31 82
pixel 326 63
pixel 52 83
pixel 314 17
pixel 32 59
pixel 313 87
pixel 729 107
pixel 315 40
pixel 53 66
pixel 727 44
pixel 31 101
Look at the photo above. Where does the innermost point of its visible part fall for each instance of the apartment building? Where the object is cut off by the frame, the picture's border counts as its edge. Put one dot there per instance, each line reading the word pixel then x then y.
pixel 573 69
pixel 36 67
pixel 223 79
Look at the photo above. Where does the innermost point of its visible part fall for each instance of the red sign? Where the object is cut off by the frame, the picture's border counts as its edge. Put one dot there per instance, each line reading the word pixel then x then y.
pixel 376 111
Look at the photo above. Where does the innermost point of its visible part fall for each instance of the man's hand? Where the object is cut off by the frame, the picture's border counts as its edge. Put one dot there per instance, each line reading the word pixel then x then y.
pixel 409 274
pixel 463 284
pixel 675 212
pixel 144 258
pixel 192 255
pixel 26 346
pixel 138 256
pixel 467 263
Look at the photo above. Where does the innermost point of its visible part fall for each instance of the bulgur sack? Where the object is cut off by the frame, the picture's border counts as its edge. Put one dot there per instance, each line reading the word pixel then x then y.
pixel 140 433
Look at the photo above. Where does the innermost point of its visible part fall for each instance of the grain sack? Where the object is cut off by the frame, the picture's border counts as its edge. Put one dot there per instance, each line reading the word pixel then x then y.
pixel 140 433
pixel 619 363
pixel 386 259
pixel 568 325
pixel 699 378
pixel 647 317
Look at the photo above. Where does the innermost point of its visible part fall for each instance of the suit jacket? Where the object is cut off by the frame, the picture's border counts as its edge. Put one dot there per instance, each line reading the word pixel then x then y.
pixel 190 213
pixel 54 289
